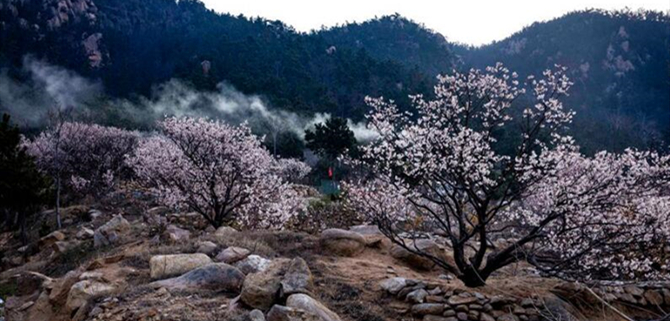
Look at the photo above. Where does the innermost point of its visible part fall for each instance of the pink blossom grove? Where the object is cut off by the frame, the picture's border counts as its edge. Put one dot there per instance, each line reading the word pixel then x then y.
pixel 218 170
pixel 443 169
pixel 87 157
pixel 84 158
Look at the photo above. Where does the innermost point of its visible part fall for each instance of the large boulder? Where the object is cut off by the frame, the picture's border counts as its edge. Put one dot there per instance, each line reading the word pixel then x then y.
pixel 393 285
pixel 342 242
pixel 215 277
pixel 164 266
pixel 207 247
pixel 298 278
pixel 232 254
pixel 306 303
pixel 417 261
pixel 226 231
pixel 174 234
pixel 252 264
pixel 111 232
pixel 261 289
pixel 83 291
pixel 373 236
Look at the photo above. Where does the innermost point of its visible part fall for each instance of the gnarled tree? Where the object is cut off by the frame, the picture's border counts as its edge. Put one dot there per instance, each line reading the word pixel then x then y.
pixel 217 170
pixel 443 169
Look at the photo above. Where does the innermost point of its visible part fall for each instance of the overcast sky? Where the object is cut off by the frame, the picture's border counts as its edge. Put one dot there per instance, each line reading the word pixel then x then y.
pixel 467 21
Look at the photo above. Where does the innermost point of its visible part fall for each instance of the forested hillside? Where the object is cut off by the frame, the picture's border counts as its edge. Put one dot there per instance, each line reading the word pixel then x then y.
pixel 618 61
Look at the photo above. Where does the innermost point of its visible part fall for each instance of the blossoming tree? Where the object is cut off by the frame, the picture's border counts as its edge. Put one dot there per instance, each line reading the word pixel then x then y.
pixel 293 170
pixel 443 169
pixel 84 158
pixel 217 170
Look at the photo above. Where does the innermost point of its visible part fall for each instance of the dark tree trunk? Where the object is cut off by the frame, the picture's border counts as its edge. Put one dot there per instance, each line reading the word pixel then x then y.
pixel 473 279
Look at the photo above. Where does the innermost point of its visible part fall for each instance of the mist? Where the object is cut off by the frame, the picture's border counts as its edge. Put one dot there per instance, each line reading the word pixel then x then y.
pixel 48 88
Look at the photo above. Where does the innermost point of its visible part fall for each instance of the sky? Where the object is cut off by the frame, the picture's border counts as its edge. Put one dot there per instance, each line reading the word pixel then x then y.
pixel 473 22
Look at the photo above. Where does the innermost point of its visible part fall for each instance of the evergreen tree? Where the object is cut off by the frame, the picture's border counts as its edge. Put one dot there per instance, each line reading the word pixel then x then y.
pixel 23 190
pixel 331 139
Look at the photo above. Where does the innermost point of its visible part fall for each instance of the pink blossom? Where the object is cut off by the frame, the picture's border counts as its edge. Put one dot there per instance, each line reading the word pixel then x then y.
pixel 217 170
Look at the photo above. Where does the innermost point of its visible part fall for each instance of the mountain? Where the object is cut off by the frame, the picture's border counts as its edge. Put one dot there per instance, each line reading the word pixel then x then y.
pixel 398 39
pixel 132 46
pixel 619 61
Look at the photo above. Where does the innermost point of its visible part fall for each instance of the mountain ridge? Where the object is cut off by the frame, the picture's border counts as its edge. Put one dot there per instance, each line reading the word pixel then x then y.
pixel 617 59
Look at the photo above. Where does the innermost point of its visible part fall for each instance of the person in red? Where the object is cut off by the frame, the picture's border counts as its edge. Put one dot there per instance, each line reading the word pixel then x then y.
pixel 330 172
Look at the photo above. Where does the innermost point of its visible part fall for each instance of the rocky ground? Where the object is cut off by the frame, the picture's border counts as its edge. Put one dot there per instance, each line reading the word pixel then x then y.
pixel 122 261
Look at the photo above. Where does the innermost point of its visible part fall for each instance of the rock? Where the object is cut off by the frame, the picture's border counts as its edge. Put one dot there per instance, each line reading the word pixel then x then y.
pixel 476 307
pixel 232 254
pixel 95 312
pixel 634 290
pixel 435 299
pixel 428 308
pixel 225 231
pixel 261 289
pixel 283 313
pixel 61 288
pixel 393 285
pixel 174 234
pixel 436 291
pixel 314 307
pixel 83 291
pixel 61 247
pixel 252 264
pixel 298 278
pixel 52 238
pixel 486 317
pixel 256 315
pixel 527 302
pixel 417 296
pixel 216 277
pixel 207 247
pixel 405 291
pixel 111 231
pixel 458 300
pixel 437 318
pixel 626 297
pixel 91 275
pixel 462 308
pixel 163 266
pixel 666 294
pixel 342 242
pixel 94 214
pixel 373 236
pixel 417 261
pixel 653 297
pixel 508 317
pixel 85 233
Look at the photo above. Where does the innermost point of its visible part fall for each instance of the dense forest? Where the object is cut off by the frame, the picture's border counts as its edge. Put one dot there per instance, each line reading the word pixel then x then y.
pixel 619 61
